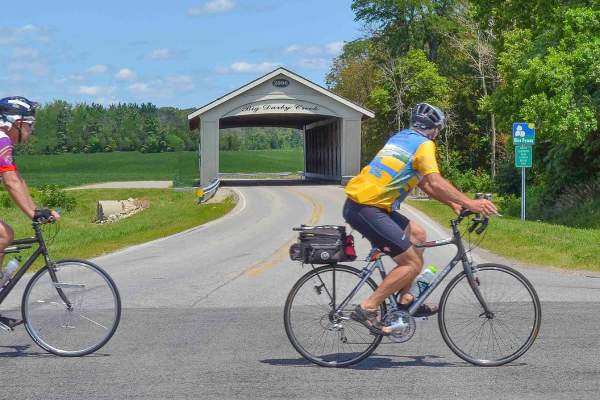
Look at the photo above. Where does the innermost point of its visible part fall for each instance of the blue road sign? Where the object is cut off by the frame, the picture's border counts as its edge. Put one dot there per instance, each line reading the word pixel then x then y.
pixel 523 133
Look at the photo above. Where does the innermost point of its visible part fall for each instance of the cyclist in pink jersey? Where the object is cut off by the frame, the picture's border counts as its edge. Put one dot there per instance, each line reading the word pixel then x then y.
pixel 17 115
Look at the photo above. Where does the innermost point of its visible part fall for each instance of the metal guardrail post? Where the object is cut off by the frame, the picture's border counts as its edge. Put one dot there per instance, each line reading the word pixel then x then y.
pixel 206 193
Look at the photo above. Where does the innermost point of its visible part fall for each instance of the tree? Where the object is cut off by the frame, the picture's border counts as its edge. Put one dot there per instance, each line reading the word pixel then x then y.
pixel 408 80
pixel 476 45
pixel 552 80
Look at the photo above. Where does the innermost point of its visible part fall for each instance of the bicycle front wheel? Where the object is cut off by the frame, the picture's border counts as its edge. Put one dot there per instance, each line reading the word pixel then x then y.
pixel 497 338
pixel 313 328
pixel 71 309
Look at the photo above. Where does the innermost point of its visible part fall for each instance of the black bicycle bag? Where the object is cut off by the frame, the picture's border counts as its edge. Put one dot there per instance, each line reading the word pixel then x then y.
pixel 323 244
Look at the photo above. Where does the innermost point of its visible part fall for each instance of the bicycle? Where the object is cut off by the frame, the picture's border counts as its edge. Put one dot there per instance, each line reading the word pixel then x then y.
pixel 489 314
pixel 70 307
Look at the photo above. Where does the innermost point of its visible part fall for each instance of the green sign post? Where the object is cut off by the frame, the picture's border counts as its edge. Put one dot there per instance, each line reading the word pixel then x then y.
pixel 523 139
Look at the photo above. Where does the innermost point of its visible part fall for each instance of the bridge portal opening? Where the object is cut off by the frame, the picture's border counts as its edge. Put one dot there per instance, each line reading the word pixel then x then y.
pixel 261 152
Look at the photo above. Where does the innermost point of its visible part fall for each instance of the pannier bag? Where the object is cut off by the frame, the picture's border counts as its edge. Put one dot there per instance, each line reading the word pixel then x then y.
pixel 326 244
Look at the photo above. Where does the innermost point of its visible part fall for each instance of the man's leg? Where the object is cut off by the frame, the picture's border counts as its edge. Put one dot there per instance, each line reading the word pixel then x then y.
pixel 417 235
pixel 6 238
pixel 409 266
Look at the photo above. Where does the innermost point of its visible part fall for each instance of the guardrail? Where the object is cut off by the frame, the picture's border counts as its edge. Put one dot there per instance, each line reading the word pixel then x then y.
pixel 258 175
pixel 206 193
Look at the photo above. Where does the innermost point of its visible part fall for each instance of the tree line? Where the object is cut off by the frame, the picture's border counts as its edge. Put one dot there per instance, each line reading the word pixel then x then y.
pixel 487 63
pixel 61 127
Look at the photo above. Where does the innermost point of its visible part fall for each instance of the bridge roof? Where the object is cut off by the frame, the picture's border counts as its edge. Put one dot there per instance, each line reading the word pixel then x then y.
pixel 192 118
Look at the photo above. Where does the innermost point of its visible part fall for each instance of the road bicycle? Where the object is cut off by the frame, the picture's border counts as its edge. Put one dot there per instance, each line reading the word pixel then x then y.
pixel 489 314
pixel 70 307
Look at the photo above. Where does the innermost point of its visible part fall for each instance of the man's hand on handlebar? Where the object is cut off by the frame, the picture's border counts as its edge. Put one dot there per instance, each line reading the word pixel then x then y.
pixel 45 215
pixel 457 208
pixel 482 206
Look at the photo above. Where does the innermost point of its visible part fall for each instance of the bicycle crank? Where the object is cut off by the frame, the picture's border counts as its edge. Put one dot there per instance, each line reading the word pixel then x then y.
pixel 402 323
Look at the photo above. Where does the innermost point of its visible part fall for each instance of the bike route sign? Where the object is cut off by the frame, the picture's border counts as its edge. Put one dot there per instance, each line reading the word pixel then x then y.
pixel 523 156
pixel 523 133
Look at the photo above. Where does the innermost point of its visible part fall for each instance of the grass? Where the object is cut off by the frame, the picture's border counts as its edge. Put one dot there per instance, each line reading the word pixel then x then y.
pixel 78 236
pixel 67 170
pixel 261 161
pixel 532 242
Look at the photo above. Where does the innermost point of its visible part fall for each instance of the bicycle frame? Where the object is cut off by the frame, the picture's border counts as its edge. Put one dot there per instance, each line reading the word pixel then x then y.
pixel 21 244
pixel 374 262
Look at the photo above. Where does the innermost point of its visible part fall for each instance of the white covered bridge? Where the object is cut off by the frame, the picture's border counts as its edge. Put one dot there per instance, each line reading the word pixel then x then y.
pixel 331 124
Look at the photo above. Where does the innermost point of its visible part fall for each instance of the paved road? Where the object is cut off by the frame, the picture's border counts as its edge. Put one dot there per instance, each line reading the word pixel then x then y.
pixel 127 185
pixel 203 319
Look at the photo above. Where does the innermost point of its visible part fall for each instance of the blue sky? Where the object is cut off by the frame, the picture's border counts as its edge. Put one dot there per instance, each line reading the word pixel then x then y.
pixel 175 53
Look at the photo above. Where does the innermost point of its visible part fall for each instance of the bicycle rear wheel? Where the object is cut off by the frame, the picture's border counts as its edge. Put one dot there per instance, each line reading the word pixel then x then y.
pixel 315 332
pixel 71 309
pixel 490 340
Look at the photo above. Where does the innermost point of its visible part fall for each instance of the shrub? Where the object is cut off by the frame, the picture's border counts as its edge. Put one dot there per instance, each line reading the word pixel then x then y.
pixel 52 196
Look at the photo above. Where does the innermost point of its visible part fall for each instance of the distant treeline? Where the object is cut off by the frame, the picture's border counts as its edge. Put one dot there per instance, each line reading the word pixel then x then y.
pixel 261 139
pixel 91 128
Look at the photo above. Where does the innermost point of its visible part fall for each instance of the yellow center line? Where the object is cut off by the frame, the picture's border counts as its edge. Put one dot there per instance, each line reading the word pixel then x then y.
pixel 281 253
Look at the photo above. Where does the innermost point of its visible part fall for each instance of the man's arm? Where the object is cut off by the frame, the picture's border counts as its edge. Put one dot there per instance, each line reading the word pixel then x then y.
pixel 440 189
pixel 19 192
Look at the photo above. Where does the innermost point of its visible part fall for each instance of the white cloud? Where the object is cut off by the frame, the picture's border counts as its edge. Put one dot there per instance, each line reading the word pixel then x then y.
pixel 97 69
pixel 212 7
pixel 92 90
pixel 333 49
pixel 23 34
pixel 26 60
pixel 161 54
pixel 242 67
pixel 26 29
pixel 308 50
pixel 95 90
pixel 105 101
pixel 70 78
pixel 162 88
pixel 125 74
pixel 313 63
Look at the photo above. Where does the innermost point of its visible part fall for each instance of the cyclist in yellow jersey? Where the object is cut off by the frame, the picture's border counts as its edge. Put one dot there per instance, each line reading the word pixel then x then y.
pixel 407 160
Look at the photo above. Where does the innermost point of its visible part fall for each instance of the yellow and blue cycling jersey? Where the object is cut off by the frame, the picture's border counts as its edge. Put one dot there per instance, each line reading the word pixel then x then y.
pixel 394 172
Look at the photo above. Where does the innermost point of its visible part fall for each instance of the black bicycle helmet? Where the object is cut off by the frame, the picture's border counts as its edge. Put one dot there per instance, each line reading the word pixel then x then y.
pixel 14 108
pixel 426 116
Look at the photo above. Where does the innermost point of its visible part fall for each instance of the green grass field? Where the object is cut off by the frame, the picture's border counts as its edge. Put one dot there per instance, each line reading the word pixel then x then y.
pixel 78 169
pixel 531 241
pixel 78 236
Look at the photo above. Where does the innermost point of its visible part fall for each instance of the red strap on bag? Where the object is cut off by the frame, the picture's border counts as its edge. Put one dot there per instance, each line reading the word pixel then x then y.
pixel 349 248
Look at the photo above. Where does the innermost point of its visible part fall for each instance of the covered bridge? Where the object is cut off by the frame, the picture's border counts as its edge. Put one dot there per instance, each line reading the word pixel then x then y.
pixel 331 124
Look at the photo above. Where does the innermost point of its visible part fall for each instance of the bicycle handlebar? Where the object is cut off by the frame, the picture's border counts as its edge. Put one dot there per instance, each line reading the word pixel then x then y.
pixel 480 223
pixel 44 216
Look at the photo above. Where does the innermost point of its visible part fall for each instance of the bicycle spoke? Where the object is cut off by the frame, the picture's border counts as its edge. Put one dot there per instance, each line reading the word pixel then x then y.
pixel 89 321
pixel 320 336
pixel 501 336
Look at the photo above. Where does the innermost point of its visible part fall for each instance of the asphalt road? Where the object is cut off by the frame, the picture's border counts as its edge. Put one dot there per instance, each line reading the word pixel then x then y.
pixel 202 318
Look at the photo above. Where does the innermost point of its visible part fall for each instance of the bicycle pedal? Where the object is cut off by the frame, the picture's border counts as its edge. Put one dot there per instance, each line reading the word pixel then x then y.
pixel 8 324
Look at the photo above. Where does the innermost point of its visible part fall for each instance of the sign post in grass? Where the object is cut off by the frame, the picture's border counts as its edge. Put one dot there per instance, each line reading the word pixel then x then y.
pixel 523 139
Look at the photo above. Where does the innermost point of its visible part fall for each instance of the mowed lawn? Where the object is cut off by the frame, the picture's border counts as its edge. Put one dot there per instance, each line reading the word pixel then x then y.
pixel 530 242
pixel 68 170
pixel 78 236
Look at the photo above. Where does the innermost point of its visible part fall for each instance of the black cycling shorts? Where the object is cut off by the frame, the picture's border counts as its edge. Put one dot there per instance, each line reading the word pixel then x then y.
pixel 386 231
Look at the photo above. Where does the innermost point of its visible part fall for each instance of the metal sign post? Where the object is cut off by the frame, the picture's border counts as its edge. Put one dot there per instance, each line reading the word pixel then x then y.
pixel 523 194
pixel 523 139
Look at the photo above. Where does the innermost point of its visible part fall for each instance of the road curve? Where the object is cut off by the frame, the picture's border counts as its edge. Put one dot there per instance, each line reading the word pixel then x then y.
pixel 203 319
